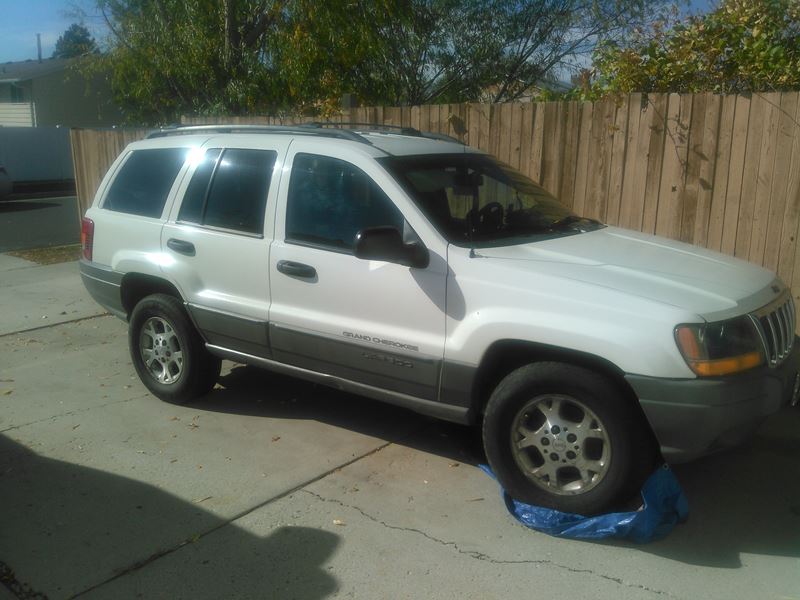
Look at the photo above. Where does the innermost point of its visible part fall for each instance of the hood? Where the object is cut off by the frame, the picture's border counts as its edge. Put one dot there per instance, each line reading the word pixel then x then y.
pixel 707 283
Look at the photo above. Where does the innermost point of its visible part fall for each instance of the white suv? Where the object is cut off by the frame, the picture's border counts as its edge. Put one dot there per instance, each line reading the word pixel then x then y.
pixel 420 272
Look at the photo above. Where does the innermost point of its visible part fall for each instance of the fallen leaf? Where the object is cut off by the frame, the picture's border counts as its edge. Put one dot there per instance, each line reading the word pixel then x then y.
pixel 276 438
pixel 6 381
pixel 454 464
pixel 76 426
pixel 338 522
pixel 7 392
pixel 475 500
pixel 199 500
pixel 174 460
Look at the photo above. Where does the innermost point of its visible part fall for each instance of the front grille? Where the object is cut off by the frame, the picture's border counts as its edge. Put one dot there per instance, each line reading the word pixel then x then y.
pixel 775 324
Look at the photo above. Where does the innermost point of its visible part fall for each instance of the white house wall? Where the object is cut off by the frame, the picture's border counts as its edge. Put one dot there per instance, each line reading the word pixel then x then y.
pixel 16 114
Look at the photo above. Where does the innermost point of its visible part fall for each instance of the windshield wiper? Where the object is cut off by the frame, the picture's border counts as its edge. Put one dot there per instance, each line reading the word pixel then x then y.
pixel 570 221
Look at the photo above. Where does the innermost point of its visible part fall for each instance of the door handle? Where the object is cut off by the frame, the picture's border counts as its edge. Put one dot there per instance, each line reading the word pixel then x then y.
pixel 296 269
pixel 181 246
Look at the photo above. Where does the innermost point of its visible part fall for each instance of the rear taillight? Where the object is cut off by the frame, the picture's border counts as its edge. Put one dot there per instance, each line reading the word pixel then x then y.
pixel 87 237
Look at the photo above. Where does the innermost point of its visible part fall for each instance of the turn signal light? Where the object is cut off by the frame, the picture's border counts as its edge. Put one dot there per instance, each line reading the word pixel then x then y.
pixel 726 366
pixel 723 348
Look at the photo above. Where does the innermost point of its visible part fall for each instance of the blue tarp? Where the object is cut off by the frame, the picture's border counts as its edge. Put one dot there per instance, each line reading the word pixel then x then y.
pixel 663 506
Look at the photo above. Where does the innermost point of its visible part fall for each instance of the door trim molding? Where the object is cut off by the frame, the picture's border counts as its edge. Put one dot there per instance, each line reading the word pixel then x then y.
pixel 448 412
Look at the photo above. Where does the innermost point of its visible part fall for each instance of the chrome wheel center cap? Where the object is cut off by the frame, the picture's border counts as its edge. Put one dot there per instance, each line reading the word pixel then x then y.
pixel 559 445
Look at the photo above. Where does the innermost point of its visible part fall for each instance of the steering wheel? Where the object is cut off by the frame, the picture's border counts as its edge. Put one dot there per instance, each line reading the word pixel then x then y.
pixel 490 216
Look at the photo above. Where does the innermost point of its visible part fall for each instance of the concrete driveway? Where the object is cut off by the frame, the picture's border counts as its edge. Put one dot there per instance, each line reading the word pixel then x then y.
pixel 274 488
pixel 38 222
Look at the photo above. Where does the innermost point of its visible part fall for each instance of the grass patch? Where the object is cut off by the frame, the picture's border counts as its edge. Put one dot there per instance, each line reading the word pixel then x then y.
pixel 50 255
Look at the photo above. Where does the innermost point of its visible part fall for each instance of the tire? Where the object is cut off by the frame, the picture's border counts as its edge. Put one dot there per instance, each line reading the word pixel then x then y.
pixel 167 352
pixel 591 449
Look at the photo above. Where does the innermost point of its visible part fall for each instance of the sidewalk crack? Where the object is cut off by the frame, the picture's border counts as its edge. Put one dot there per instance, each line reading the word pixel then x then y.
pixel 71 413
pixel 483 556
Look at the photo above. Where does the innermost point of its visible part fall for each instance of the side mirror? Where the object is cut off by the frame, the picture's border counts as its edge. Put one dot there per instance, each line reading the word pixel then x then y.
pixel 386 243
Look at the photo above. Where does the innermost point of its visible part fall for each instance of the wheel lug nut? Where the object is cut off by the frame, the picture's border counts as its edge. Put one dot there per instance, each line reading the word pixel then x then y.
pixel 545 442
pixel 571 438
pixel 555 429
pixel 570 454
pixel 554 456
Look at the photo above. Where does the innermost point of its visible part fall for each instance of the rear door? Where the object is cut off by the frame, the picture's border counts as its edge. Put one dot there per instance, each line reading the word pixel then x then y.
pixel 372 322
pixel 217 239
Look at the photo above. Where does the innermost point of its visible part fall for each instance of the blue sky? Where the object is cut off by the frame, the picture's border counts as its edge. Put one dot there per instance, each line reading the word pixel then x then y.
pixel 21 20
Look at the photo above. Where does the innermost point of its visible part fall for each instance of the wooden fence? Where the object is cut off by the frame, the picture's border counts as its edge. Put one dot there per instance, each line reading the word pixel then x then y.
pixel 716 171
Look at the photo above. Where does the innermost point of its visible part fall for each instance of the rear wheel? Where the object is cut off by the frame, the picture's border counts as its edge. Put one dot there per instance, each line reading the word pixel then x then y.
pixel 563 437
pixel 168 353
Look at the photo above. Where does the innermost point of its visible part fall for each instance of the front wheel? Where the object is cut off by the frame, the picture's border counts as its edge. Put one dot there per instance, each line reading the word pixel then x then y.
pixel 168 353
pixel 563 437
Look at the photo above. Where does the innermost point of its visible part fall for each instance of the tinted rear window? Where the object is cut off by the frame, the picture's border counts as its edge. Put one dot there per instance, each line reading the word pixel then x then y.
pixel 230 192
pixel 195 196
pixel 238 193
pixel 143 183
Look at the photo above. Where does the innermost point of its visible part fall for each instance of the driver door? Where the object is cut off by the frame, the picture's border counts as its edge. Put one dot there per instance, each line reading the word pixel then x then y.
pixel 372 322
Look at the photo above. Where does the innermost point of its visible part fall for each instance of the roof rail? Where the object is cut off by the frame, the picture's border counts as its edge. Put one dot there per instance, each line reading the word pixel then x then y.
pixel 381 128
pixel 290 129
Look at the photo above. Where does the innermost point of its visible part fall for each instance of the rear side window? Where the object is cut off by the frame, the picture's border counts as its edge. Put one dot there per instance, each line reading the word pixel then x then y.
pixel 229 191
pixel 143 183
pixel 195 196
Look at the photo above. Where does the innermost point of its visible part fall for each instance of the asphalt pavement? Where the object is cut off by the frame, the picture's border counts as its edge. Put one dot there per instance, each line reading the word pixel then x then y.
pixel 271 487
pixel 39 222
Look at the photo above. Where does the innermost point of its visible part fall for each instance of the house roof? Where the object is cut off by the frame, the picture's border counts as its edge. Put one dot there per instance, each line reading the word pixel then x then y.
pixel 31 69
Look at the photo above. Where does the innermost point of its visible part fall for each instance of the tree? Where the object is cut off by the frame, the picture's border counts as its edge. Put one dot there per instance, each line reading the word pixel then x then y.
pixel 740 46
pixel 172 57
pixel 423 51
pixel 75 41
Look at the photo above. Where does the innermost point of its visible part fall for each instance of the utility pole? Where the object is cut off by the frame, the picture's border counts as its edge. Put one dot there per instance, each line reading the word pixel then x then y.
pixel 39 46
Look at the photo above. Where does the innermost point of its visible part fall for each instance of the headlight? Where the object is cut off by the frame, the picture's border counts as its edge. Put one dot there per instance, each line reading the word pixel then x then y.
pixel 720 348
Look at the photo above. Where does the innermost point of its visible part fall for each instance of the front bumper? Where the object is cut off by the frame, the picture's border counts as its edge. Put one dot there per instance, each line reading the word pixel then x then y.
pixel 695 417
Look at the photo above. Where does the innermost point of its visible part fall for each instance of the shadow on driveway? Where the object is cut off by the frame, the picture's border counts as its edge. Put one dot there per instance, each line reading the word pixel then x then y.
pixel 260 393
pixel 64 529
pixel 746 500
pixel 21 206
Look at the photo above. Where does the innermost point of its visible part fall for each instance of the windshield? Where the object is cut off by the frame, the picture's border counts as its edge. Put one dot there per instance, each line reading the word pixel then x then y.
pixel 475 200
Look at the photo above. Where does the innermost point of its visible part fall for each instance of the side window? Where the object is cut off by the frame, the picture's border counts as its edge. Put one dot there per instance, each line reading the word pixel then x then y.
pixel 195 196
pixel 331 200
pixel 230 191
pixel 143 183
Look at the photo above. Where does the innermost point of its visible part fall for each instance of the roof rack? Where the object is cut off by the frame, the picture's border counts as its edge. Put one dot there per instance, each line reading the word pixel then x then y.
pixel 381 128
pixel 295 129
